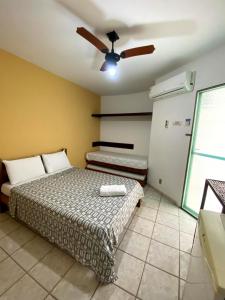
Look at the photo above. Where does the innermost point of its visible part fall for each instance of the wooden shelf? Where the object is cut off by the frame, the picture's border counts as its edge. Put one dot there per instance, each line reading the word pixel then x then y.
pixel 122 114
pixel 113 144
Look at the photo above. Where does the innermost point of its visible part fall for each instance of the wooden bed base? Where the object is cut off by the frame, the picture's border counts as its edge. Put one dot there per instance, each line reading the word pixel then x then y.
pixel 118 167
pixel 3 178
pixel 4 199
pixel 142 182
pixel 139 203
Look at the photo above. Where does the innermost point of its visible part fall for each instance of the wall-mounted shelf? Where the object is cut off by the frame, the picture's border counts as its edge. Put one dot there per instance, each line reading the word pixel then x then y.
pixel 113 144
pixel 122 114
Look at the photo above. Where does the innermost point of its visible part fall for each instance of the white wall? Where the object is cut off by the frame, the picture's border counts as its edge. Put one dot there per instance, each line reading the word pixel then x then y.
pixel 169 147
pixel 133 130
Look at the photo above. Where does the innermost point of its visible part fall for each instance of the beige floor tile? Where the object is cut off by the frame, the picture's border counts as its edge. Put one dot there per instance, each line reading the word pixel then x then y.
pixel 168 220
pixel 10 272
pixel 184 215
pixel 169 207
pixel 188 225
pixel 184 264
pixel 49 298
pixel 79 283
pixel 151 202
pixel 3 255
pixel 4 217
pixel 166 235
pixel 10 243
pixel 135 244
pixel 32 252
pixel 129 271
pixel 51 268
pixel 182 284
pixel 111 292
pixel 158 285
pixel 153 195
pixel 8 226
pixel 141 225
pixel 164 257
pixel 186 241
pixel 146 212
pixel 25 289
pixel 149 191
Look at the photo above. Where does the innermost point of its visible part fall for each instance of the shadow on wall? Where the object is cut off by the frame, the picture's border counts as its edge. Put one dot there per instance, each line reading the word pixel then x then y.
pixel 94 17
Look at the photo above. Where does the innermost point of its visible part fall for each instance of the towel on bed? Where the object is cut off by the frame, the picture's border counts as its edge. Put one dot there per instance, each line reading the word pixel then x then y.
pixel 113 190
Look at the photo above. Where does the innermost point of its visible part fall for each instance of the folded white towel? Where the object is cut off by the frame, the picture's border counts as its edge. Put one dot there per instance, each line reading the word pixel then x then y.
pixel 113 190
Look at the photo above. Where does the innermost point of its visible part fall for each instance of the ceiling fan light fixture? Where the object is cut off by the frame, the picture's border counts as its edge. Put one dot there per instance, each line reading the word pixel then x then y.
pixel 111 67
pixel 112 70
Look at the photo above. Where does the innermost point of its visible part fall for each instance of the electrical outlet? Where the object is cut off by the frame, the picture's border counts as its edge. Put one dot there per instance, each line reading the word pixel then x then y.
pixel 160 181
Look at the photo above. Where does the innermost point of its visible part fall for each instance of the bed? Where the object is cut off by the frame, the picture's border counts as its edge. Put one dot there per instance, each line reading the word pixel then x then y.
pixel 126 165
pixel 125 160
pixel 66 209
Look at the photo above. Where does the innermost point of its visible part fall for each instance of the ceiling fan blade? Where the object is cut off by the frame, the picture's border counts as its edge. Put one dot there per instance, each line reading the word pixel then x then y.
pixel 104 67
pixel 92 39
pixel 137 51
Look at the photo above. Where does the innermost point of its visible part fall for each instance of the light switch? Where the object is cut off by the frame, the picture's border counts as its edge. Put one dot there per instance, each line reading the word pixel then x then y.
pixel 187 122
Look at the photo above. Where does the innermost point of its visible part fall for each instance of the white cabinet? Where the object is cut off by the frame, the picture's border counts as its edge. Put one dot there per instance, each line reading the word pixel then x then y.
pixel 206 275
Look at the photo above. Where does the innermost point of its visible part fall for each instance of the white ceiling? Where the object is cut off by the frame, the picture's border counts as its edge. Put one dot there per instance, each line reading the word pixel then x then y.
pixel 43 32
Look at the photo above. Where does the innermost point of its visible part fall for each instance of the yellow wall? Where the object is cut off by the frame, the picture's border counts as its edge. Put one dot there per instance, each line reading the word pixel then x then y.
pixel 41 112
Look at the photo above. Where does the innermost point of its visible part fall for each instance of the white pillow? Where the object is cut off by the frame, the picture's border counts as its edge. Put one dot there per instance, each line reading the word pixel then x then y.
pixel 20 170
pixel 56 161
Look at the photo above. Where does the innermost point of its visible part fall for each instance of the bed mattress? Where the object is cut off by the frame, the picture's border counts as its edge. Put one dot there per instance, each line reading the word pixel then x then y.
pixel 117 172
pixel 126 160
pixel 67 209
pixel 7 186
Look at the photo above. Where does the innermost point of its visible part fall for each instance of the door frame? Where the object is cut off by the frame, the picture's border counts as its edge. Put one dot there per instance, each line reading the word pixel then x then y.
pixel 191 142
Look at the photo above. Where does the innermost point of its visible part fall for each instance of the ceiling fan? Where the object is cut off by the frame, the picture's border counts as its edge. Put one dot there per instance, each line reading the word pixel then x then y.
pixel 111 57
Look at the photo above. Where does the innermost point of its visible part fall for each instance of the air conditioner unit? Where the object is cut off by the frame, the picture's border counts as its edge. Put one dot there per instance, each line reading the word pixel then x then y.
pixel 182 83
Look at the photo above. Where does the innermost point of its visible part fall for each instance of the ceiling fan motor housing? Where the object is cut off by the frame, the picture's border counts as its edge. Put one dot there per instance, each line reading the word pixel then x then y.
pixel 112 58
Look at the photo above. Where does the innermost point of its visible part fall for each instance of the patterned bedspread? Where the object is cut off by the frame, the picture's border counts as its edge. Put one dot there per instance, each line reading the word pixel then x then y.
pixel 66 209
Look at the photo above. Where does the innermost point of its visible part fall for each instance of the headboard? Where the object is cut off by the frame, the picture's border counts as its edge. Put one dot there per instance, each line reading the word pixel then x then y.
pixel 3 174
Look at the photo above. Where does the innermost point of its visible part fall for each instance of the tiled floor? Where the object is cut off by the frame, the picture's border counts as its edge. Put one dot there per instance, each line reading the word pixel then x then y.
pixel 151 259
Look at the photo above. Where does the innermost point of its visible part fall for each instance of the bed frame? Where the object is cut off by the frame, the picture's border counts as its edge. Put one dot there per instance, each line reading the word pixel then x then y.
pixel 3 178
pixel 4 200
pixel 120 168
pixel 142 182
